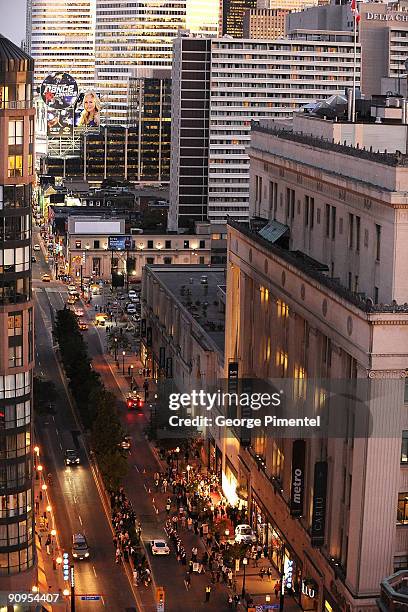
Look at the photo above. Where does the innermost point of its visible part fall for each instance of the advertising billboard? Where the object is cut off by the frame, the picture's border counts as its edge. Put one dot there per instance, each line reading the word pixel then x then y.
pixel 59 90
pixel 60 122
pixel 319 503
pixel 88 111
pixel 298 478
pixel 119 243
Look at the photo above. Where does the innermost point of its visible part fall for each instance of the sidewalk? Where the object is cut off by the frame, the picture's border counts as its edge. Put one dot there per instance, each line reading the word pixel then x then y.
pixel 50 577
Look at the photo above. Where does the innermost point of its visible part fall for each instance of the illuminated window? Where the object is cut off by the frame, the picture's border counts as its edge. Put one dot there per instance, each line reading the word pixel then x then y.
pixel 283 309
pixel 15 165
pixel 299 383
pixel 282 360
pixel 262 292
pixel 268 349
pixel 402 509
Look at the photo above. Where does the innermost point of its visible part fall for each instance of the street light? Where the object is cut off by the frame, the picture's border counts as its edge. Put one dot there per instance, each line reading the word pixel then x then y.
pixel 34 588
pixel 267 598
pixel 188 473
pixel 116 348
pixel 53 532
pixel 44 487
pixel 65 592
pixel 48 508
pixel 177 450
pixel 123 362
pixel 245 563
pixel 131 373
pixel 37 450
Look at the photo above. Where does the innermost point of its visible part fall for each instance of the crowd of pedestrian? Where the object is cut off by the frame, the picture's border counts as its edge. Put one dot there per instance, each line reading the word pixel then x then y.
pixel 127 537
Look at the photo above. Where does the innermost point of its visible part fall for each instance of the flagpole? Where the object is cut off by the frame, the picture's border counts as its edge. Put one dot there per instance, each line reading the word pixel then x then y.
pixel 353 102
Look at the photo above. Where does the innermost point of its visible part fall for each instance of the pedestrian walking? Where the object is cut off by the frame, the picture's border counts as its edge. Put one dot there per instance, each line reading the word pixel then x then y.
pixel 230 602
pixel 269 573
pixel 207 593
pixel 277 589
pixel 168 506
pixel 187 581
pixel 261 573
pixel 194 553
pixel 236 601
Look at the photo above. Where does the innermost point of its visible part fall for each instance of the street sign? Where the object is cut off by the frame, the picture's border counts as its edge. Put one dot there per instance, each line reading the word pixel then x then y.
pixel 263 607
pixel 90 597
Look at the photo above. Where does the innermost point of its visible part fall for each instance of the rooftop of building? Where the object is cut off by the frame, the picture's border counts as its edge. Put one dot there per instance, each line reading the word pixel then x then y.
pixel 200 300
pixel 314 269
pixel 13 58
pixel 286 132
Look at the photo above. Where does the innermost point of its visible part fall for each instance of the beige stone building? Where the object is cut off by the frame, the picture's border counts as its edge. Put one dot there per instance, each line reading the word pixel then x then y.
pixel 321 293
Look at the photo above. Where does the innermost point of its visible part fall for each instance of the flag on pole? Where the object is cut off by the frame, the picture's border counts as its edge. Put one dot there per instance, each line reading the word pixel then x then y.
pixel 355 11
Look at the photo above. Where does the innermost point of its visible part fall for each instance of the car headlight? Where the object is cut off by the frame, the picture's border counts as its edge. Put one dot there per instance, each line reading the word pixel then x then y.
pixel 86 554
pixel 77 460
pixel 74 555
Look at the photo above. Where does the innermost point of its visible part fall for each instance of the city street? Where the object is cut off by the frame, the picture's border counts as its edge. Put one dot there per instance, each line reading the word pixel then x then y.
pixel 75 498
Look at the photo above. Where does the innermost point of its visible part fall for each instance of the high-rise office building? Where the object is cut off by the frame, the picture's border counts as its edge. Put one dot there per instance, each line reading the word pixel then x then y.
pixel 265 23
pixel 60 38
pixel 233 16
pixel 130 37
pixel 16 318
pixel 250 80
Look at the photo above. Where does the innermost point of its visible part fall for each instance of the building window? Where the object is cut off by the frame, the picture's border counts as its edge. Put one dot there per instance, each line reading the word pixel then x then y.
pixel 30 164
pixel 15 356
pixel 283 309
pixel 201 260
pixel 375 295
pixel 167 261
pixel 96 244
pixel 351 231
pixel 358 231
pixel 290 203
pixel 282 361
pixel 15 165
pixel 377 242
pixel 186 244
pixel 167 244
pixel 202 244
pixel 150 244
pixel 404 447
pixel 149 260
pixel 96 266
pixel 77 244
pixel 333 222
pixel 402 509
pixel 15 324
pixel 15 133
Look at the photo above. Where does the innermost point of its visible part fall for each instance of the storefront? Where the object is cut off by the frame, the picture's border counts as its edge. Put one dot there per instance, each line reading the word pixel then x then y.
pixel 279 552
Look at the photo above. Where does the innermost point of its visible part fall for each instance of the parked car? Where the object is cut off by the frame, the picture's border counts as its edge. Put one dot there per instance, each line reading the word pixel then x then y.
pixel 159 547
pixel 244 534
pixel 36 247
pixel 46 278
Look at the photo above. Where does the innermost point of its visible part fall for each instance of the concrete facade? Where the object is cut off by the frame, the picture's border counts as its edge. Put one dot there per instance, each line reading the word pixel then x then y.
pixel 286 318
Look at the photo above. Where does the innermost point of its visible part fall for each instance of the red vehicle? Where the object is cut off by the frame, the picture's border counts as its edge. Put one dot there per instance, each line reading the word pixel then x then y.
pixel 134 402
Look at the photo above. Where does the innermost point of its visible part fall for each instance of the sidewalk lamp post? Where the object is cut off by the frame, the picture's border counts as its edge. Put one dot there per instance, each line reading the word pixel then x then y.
pixel 123 362
pixel 38 472
pixel 188 471
pixel 116 348
pixel 131 374
pixel 177 451
pixel 267 598
pixel 245 563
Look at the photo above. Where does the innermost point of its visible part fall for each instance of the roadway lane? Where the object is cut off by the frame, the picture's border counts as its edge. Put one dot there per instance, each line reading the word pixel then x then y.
pixel 167 571
pixel 74 494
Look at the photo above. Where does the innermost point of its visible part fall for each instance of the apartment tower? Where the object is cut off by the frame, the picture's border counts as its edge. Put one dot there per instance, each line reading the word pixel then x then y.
pixel 16 318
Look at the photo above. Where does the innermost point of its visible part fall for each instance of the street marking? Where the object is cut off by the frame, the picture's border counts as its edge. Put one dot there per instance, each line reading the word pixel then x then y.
pixel 135 466
pixel 80 520
pixel 75 499
pixel 103 601
pixel 145 487
pixel 60 445
pixel 94 571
